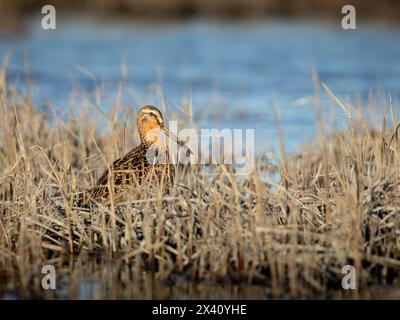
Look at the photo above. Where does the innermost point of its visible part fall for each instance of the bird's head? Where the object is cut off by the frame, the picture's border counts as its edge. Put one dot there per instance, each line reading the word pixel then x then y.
pixel 151 124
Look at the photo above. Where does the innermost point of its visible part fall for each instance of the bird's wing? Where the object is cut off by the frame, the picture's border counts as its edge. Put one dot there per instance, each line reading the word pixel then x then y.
pixel 133 160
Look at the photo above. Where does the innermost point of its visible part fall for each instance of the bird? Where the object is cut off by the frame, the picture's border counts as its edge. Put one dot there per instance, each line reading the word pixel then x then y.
pixel 147 162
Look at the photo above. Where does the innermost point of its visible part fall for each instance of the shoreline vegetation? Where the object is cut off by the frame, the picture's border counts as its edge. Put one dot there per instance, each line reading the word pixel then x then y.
pixel 337 203
pixel 13 12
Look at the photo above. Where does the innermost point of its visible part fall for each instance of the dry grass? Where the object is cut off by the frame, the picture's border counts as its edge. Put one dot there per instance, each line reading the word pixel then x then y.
pixel 337 203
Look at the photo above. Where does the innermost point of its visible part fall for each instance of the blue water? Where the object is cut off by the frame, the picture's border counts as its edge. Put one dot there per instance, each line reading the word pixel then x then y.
pixel 235 73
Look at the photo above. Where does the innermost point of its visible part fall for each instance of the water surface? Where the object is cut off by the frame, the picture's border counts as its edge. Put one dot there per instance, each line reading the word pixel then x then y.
pixel 234 73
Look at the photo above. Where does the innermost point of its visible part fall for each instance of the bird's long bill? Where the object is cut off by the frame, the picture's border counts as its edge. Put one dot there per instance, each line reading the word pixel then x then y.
pixel 175 139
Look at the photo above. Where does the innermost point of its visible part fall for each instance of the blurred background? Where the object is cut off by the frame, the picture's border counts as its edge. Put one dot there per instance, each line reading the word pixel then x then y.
pixel 234 61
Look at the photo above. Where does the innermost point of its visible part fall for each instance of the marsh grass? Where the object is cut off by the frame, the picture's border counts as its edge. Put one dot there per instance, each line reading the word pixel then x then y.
pixel 336 203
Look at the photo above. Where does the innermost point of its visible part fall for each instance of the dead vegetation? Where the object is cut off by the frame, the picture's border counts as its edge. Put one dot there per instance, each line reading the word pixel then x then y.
pixel 336 203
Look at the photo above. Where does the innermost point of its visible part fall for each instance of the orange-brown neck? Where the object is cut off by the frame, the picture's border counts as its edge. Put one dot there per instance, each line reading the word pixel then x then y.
pixel 149 132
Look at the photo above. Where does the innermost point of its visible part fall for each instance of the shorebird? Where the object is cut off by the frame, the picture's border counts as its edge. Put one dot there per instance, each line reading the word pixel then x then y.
pixel 148 162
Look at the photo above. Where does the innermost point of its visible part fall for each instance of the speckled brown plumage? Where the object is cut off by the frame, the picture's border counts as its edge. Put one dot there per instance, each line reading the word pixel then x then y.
pixel 134 169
